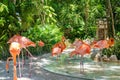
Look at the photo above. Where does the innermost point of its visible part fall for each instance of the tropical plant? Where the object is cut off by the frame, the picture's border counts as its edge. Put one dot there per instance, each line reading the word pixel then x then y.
pixel 75 18
pixel 49 34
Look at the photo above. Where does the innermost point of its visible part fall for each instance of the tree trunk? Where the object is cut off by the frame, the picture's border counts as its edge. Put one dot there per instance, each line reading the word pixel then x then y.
pixel 111 12
pixel 110 19
pixel 86 15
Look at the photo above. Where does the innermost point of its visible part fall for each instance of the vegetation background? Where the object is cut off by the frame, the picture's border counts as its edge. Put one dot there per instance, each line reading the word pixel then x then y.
pixel 48 20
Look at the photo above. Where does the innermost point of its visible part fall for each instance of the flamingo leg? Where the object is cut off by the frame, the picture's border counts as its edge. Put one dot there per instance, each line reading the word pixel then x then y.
pixel 101 61
pixel 14 69
pixel 23 62
pixel 30 61
pixel 30 67
pixel 7 64
pixel 19 65
pixel 58 55
pixel 81 65
pixel 28 52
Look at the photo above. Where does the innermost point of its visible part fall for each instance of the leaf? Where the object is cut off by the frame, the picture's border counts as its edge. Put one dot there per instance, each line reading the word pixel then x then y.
pixel 3 7
pixel 118 9
pixel 2 21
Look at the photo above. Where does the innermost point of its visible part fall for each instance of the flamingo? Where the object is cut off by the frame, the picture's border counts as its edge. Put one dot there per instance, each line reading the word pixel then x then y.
pixel 101 44
pixel 41 43
pixel 58 48
pixel 14 51
pixel 76 43
pixel 81 49
pixel 104 43
pixel 24 42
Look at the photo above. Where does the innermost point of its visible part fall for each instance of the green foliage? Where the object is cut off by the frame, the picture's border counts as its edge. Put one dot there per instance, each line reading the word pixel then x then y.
pixel 118 34
pixel 18 17
pixel 71 17
pixel 3 51
pixel 3 7
pixel 49 34
pixel 48 20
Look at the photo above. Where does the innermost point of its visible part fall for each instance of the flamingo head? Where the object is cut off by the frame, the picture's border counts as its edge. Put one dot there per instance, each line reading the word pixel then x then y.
pixel 111 42
pixel 41 43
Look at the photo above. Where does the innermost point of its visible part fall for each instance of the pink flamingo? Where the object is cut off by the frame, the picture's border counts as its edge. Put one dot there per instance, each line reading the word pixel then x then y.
pixel 58 48
pixel 14 51
pixel 101 44
pixel 41 43
pixel 104 43
pixel 76 43
pixel 81 49
pixel 24 42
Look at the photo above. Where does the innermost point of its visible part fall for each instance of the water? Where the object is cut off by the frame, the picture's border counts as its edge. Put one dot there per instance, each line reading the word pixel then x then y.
pixel 92 70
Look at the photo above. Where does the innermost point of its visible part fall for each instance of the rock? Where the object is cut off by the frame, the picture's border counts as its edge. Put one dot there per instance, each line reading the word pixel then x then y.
pixel 105 58
pixel 97 57
pixel 113 58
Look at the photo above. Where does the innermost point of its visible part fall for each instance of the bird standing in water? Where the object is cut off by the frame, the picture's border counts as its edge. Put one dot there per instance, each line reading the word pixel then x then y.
pixel 101 44
pixel 81 49
pixel 24 42
pixel 58 48
pixel 14 51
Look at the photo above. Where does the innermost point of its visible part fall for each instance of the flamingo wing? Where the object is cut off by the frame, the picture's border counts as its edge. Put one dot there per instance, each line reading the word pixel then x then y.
pixel 15 38
pixel 77 43
pixel 24 42
pixel 101 44
pixel 84 49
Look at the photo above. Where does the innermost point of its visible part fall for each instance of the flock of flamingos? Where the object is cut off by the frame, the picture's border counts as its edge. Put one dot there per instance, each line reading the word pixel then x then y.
pixel 18 42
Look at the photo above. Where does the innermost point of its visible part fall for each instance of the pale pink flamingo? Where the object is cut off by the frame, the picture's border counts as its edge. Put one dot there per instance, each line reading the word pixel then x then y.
pixel 24 42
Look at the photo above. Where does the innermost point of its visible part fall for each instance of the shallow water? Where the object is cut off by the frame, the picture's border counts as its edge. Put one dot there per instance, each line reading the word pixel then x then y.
pixel 92 70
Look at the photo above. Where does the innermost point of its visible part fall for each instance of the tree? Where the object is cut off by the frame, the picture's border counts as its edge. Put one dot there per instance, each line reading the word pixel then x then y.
pixel 110 19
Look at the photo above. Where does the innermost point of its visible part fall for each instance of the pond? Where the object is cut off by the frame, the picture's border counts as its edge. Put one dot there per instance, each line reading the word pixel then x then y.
pixel 92 70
